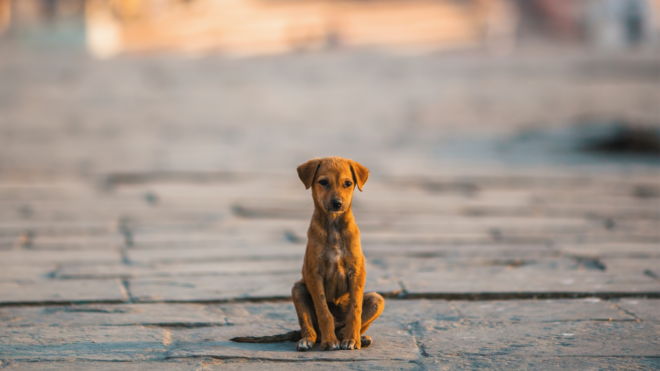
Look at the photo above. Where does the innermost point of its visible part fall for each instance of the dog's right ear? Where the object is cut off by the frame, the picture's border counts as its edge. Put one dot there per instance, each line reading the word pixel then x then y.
pixel 307 171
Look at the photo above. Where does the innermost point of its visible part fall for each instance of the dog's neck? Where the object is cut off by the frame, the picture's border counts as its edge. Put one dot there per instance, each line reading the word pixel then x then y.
pixel 334 223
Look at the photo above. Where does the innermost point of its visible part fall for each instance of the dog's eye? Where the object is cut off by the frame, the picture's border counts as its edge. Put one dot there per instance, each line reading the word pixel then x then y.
pixel 348 184
pixel 323 182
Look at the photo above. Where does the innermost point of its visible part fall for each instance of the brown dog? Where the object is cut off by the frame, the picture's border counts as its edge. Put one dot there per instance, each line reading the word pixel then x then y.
pixel 330 297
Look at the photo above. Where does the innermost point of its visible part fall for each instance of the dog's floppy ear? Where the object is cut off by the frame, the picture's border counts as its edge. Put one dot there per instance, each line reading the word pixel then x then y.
pixel 360 174
pixel 307 171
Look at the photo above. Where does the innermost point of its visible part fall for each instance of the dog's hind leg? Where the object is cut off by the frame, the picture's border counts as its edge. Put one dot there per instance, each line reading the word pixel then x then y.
pixel 304 304
pixel 372 307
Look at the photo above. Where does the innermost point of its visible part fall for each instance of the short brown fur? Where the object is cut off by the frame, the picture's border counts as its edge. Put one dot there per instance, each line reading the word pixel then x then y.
pixel 330 299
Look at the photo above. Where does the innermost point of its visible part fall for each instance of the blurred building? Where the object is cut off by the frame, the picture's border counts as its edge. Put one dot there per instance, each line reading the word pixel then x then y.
pixel 272 26
pixel 245 27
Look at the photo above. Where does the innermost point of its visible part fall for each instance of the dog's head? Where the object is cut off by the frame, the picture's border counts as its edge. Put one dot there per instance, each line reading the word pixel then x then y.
pixel 333 180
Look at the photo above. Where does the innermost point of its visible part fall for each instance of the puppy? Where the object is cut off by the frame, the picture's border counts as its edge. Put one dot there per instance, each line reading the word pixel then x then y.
pixel 330 301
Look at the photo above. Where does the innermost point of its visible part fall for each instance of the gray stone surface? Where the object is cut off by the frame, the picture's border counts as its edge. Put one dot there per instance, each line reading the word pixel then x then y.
pixel 562 275
pixel 540 363
pixel 36 257
pixel 179 269
pixel 155 179
pixel 394 343
pixel 166 315
pixel 210 288
pixel 216 364
pixel 217 253
pixel 587 339
pixel 66 291
pixel 645 310
pixel 102 343
pixel 26 273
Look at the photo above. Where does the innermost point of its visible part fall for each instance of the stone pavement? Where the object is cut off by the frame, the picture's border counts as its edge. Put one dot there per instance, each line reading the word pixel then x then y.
pixel 132 240
pixel 521 273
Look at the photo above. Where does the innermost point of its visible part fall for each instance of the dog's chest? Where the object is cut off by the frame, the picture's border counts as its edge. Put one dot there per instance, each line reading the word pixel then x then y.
pixel 336 280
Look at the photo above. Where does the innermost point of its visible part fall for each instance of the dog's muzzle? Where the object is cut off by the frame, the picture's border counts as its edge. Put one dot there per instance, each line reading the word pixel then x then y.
pixel 336 204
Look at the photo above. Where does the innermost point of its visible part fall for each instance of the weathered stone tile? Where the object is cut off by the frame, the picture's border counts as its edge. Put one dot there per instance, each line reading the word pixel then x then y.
pixel 390 343
pixel 186 269
pixel 211 365
pixel 108 343
pixel 105 365
pixel 510 282
pixel 183 254
pixel 262 314
pixel 429 276
pixel 504 311
pixel 581 338
pixel 209 288
pixel 26 273
pixel 540 310
pixel 644 309
pixel 65 291
pixel 37 257
pixel 539 363
pixel 405 312
pixel 76 242
pixel 649 267
pixel 613 250
pixel 349 364
pixel 456 251
pixel 166 315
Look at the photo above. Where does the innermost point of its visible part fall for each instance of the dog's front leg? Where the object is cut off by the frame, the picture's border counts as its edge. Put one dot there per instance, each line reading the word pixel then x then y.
pixel 354 315
pixel 326 320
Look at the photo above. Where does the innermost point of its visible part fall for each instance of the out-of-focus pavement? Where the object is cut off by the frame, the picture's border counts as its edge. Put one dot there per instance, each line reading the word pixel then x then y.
pixel 150 208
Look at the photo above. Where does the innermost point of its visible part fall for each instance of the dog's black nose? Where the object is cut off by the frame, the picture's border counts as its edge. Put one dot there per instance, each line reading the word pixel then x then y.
pixel 336 203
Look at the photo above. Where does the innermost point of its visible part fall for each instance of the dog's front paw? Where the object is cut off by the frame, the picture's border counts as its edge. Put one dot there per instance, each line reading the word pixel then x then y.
pixel 330 345
pixel 304 344
pixel 350 344
pixel 365 341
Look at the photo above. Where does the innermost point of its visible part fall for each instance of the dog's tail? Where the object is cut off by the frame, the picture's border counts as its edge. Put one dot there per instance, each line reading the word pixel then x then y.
pixel 281 338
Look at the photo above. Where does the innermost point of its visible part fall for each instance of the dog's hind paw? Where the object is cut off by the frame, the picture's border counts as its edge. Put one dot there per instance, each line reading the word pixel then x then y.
pixel 366 341
pixel 304 345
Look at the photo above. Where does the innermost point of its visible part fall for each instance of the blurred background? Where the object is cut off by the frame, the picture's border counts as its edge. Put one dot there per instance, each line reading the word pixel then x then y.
pixel 100 86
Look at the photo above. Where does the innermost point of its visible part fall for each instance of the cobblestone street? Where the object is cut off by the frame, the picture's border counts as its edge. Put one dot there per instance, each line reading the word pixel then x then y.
pixel 150 209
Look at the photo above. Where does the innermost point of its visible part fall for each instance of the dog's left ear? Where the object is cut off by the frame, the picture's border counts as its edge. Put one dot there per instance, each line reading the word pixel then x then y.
pixel 307 171
pixel 360 174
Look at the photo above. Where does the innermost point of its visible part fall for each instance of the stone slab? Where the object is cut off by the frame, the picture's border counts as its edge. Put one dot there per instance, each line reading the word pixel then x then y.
pixel 566 339
pixel 188 269
pixel 612 250
pixel 644 309
pixel 37 257
pixel 539 363
pixel 65 291
pixel 509 311
pixel 560 275
pixel 390 343
pixel 106 343
pixel 591 309
pixel 211 365
pixel 162 314
pixel 212 288
pixel 649 267
pixel 454 250
pixel 511 283
pixel 217 253
pixel 26 273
